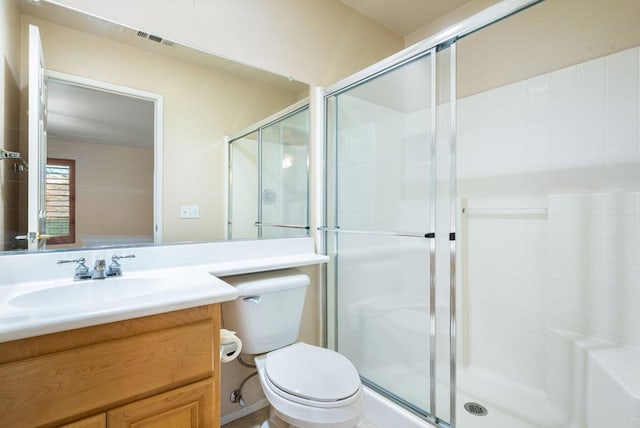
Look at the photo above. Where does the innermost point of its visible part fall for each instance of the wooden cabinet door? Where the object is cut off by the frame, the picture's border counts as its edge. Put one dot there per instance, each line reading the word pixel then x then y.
pixel 188 407
pixel 97 421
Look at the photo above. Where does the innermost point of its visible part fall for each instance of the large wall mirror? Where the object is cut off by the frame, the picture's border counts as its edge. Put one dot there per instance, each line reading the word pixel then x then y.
pixel 134 130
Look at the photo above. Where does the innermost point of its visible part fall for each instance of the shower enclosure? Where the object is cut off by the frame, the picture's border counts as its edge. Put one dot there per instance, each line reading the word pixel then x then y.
pixel 268 177
pixel 389 167
pixel 482 217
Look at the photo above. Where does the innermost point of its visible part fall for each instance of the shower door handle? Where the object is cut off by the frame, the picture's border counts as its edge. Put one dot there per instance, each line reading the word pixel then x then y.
pixel 288 226
pixel 429 235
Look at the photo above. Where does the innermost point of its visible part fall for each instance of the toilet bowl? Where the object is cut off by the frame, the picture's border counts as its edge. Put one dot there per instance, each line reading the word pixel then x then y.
pixel 311 387
pixel 307 386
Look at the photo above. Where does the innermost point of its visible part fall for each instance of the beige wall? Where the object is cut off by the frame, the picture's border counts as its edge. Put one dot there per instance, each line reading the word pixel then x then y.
pixel 201 106
pixel 546 37
pixel 317 42
pixel 457 15
pixel 9 118
pixel 199 109
pixel 114 189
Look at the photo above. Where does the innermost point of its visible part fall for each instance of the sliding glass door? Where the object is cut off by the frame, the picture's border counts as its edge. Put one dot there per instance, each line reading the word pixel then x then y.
pixel 284 178
pixel 268 177
pixel 243 187
pixel 388 231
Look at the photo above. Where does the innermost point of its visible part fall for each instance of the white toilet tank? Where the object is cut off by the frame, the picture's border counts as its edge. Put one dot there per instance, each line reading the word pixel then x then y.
pixel 267 313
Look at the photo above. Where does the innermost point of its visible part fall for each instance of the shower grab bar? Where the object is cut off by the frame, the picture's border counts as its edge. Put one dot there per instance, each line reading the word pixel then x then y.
pixel 376 232
pixel 288 226
pixel 506 211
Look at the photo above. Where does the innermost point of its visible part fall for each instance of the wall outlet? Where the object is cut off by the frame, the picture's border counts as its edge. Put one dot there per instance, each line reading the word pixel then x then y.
pixel 189 211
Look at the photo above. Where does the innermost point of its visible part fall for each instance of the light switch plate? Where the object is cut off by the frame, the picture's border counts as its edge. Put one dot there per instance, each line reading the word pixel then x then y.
pixel 189 211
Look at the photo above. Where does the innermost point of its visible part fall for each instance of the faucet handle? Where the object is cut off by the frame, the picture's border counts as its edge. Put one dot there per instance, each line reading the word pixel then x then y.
pixel 129 256
pixel 81 260
pixel 114 268
pixel 82 271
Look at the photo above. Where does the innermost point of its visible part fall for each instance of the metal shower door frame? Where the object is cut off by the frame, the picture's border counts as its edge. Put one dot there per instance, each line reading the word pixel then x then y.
pixel 444 40
pixel 430 234
pixel 258 128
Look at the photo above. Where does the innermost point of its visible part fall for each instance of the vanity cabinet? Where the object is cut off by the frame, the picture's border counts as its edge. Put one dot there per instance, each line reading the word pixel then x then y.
pixel 182 407
pixel 153 371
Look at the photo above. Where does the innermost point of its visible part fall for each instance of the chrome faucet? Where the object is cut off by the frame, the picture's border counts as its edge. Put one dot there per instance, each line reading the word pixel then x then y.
pixel 115 269
pixel 99 271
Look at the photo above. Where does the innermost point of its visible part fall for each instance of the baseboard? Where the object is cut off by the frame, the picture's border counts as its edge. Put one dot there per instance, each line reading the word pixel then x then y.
pixel 225 419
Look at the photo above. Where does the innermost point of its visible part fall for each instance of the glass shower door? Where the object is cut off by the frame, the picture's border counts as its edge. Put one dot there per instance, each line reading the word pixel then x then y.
pixel 269 177
pixel 284 177
pixel 243 187
pixel 381 235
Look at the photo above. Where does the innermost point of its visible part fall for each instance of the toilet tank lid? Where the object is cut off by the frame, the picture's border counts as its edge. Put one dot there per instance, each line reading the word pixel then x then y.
pixel 267 282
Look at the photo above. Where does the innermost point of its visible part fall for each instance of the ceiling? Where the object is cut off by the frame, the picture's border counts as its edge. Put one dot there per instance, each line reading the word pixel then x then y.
pixel 84 114
pixel 404 16
pixel 107 117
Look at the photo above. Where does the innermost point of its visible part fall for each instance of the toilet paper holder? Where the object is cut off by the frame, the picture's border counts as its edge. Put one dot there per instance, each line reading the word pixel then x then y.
pixel 227 349
pixel 230 345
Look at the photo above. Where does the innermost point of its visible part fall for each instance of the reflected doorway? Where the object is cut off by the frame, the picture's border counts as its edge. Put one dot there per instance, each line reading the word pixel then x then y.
pixel 110 135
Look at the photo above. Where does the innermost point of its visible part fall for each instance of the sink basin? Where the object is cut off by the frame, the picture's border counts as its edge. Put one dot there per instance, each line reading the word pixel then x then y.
pixel 34 308
pixel 92 293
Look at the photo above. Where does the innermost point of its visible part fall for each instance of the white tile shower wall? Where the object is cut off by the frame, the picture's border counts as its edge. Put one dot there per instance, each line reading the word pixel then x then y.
pixel 569 131
pixel 382 161
pixel 567 140
pixel 504 306
pixel 356 166
pixel 594 265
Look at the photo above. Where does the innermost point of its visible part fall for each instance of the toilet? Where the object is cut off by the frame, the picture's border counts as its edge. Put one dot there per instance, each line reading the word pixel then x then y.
pixel 307 386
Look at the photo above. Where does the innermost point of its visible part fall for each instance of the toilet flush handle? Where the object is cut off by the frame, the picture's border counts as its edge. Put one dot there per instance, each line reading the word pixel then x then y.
pixel 253 299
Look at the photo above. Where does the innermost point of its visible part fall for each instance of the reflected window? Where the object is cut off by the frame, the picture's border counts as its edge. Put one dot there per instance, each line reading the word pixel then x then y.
pixel 60 201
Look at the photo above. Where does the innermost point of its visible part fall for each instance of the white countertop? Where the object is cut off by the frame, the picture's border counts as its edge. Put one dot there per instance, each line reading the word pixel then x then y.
pixel 38 296
pixel 41 306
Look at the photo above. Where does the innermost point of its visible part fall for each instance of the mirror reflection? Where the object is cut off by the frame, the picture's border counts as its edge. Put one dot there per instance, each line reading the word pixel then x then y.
pixel 135 133
pixel 109 139
pixel 269 180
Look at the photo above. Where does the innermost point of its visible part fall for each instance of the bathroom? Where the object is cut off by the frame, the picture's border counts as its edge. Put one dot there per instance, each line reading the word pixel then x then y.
pixel 513 126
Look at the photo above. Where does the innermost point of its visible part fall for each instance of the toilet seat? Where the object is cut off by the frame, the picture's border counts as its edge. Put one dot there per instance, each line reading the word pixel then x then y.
pixel 312 376
pixel 300 412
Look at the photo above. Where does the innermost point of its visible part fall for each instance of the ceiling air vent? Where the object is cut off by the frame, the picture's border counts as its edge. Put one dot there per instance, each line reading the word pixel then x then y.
pixel 154 38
